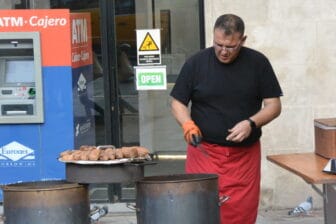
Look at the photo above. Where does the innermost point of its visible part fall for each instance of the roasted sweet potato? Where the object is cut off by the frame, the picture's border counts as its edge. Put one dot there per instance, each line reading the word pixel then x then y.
pixel 129 152
pixel 67 157
pixel 142 151
pixel 118 154
pixel 94 154
pixel 66 152
pixel 77 155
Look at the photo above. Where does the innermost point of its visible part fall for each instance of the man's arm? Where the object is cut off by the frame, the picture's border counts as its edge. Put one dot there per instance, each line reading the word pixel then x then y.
pixel 270 110
pixel 191 132
pixel 180 111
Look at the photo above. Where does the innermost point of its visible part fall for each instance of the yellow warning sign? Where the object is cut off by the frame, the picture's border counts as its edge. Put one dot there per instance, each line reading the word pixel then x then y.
pixel 148 44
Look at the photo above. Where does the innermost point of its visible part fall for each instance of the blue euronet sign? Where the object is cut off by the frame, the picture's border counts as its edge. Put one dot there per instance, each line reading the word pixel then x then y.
pixel 15 154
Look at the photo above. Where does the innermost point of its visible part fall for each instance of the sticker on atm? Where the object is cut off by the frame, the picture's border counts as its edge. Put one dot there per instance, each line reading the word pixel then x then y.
pixel 15 154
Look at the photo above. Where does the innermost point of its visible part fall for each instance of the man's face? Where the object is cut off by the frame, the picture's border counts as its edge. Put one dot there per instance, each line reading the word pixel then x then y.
pixel 227 47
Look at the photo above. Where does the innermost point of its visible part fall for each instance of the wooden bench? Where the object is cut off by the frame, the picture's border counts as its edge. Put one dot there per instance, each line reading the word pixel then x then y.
pixel 309 166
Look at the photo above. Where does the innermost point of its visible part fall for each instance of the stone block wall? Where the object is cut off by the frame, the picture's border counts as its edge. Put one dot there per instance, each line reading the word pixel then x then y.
pixel 298 37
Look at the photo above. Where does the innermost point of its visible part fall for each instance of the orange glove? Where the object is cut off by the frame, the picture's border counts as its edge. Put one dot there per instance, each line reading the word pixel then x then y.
pixel 190 129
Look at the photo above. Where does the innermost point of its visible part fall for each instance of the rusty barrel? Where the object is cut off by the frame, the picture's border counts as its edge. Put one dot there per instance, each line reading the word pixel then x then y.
pixel 181 198
pixel 44 202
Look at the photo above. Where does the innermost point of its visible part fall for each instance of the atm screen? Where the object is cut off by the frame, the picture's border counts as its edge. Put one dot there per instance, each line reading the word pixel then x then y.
pixel 19 71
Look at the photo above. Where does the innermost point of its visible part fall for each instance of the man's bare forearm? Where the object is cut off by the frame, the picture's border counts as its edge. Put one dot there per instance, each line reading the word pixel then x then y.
pixel 270 110
pixel 180 111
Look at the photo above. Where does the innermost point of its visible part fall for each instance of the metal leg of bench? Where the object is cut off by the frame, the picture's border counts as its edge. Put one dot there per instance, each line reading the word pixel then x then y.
pixel 317 190
pixel 329 199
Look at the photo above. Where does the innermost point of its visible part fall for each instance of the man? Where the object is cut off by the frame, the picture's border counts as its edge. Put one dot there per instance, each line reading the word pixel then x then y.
pixel 233 92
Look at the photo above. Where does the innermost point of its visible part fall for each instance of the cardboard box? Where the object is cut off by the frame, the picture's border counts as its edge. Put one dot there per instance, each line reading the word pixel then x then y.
pixel 325 137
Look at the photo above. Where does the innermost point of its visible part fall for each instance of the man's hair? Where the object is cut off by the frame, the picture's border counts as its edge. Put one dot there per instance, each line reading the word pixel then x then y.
pixel 230 24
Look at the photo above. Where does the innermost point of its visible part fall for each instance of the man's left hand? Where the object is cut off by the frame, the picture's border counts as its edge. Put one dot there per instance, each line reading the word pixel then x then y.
pixel 239 132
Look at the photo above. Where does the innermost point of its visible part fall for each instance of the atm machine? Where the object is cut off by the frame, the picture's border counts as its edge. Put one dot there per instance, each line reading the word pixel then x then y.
pixel 46 75
pixel 21 107
pixel 21 94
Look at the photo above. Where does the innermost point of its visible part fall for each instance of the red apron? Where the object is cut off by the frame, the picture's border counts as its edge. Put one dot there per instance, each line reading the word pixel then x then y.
pixel 238 170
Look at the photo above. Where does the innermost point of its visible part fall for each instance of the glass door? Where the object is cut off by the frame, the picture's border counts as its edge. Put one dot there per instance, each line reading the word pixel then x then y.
pixel 182 35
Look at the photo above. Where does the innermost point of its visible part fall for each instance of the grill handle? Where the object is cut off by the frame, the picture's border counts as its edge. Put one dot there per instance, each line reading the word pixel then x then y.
pixel 132 207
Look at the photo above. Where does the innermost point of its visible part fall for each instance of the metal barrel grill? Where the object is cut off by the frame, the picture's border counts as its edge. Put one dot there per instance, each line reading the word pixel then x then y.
pixel 181 198
pixel 46 202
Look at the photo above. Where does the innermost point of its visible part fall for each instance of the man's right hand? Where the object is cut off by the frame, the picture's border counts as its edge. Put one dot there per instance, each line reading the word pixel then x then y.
pixel 190 131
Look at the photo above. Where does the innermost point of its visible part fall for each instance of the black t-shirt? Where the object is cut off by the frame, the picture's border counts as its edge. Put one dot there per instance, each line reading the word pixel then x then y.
pixel 225 94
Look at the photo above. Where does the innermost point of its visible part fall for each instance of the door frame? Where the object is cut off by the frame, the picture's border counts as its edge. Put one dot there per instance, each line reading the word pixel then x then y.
pixel 112 114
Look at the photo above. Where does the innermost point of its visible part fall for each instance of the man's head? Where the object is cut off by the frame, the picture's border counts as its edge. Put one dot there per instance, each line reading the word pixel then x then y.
pixel 228 37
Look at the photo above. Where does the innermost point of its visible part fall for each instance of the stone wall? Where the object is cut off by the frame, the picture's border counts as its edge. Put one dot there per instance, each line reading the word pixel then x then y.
pixel 298 37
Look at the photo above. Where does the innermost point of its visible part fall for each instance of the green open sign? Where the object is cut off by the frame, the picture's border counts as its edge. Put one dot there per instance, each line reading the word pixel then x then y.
pixel 150 78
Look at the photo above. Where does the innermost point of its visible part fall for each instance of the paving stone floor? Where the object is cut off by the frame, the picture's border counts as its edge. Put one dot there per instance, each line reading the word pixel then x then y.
pixel 119 213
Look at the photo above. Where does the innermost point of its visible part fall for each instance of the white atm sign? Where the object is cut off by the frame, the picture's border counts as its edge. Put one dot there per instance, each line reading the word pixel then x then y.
pixel 151 78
